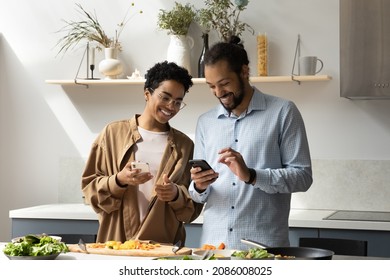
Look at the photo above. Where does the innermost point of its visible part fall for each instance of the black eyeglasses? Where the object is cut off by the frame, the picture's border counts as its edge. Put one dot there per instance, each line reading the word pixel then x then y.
pixel 167 100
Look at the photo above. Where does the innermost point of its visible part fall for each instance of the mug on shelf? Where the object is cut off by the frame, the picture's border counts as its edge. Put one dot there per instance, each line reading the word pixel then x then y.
pixel 308 65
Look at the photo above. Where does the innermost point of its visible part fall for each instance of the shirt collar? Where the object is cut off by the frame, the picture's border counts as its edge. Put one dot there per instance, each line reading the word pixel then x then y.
pixel 257 103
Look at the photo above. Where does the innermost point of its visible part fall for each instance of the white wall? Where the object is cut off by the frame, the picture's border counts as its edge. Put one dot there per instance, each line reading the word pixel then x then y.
pixel 47 130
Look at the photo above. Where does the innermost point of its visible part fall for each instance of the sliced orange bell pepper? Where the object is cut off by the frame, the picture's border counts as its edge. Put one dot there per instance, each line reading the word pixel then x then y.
pixel 208 247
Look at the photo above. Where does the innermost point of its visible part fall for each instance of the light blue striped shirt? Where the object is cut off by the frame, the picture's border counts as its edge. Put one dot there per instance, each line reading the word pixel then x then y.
pixel 272 139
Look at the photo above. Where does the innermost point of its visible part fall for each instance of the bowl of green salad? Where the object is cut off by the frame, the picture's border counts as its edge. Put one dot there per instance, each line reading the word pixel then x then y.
pixel 35 247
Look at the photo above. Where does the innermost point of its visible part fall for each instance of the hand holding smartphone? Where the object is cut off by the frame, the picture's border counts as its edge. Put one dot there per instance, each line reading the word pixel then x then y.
pixel 144 166
pixel 200 163
pixel 206 179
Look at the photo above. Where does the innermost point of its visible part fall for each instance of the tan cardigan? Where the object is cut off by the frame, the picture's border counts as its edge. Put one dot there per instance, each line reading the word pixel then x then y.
pixel 117 207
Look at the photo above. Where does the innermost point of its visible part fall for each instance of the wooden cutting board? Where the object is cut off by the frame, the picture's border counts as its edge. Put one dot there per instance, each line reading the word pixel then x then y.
pixel 161 251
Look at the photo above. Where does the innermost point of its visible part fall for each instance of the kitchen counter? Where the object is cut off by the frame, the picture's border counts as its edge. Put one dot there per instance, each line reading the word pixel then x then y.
pixel 298 218
pixel 74 221
pixel 83 256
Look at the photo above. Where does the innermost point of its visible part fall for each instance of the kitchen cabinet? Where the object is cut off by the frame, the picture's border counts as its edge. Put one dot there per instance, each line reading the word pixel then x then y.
pixel 378 241
pixel 295 233
pixel 21 227
pixel 61 227
pixel 71 219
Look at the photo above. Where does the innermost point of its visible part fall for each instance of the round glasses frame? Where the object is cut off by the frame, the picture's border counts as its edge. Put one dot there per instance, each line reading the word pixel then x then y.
pixel 167 100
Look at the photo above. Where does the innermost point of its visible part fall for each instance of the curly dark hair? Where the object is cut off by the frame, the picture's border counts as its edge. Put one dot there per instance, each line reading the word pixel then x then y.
pixel 233 52
pixel 164 71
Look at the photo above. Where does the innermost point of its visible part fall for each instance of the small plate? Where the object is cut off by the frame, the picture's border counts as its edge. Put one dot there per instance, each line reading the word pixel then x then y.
pixel 49 257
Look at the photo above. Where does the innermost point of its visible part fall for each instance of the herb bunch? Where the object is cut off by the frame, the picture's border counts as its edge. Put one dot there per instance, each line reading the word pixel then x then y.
pixel 178 20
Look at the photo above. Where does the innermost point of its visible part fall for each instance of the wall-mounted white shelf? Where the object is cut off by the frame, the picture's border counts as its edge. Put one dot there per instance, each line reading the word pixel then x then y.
pixel 276 79
pixel 265 79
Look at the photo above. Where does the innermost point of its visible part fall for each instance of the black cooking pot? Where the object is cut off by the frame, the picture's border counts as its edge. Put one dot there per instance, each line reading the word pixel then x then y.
pixel 293 252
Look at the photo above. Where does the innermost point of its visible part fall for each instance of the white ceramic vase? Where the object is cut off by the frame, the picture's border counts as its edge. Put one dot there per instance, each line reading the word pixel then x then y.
pixel 110 66
pixel 179 50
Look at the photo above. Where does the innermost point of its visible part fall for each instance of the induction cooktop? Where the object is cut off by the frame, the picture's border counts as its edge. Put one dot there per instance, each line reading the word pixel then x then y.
pixel 371 216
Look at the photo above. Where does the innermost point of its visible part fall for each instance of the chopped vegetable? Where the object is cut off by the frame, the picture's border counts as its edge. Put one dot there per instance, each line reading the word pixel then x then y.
pixel 35 245
pixel 127 245
pixel 208 247
pixel 221 246
pixel 253 253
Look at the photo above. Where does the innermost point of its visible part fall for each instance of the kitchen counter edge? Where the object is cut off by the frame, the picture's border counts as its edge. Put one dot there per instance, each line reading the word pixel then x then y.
pixel 299 218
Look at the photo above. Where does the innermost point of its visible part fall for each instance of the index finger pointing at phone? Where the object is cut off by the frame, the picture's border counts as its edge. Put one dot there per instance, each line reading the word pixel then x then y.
pixel 224 150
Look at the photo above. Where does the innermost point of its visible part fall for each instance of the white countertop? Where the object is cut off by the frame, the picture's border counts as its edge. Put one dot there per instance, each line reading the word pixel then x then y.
pixel 298 218
pixel 315 219
pixel 62 211
pixel 66 211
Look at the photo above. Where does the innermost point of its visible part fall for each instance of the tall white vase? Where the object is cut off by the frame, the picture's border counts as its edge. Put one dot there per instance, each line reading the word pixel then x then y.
pixel 110 66
pixel 179 50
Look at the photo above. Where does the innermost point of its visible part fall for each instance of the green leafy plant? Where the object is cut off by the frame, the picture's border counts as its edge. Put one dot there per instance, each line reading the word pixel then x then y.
pixel 224 17
pixel 90 29
pixel 178 20
pixel 203 19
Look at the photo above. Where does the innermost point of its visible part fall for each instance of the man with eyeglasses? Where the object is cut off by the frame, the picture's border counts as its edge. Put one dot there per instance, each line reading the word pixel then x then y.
pixel 152 204
pixel 258 149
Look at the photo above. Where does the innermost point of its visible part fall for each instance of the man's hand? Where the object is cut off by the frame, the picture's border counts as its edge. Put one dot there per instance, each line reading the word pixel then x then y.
pixel 203 179
pixel 235 162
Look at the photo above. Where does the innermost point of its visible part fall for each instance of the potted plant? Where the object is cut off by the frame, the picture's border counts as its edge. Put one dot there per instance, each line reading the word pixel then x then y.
pixel 177 23
pixel 89 29
pixel 178 20
pixel 223 16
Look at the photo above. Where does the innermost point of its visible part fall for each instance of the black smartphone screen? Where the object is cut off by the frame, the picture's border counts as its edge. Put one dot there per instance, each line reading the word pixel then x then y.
pixel 200 163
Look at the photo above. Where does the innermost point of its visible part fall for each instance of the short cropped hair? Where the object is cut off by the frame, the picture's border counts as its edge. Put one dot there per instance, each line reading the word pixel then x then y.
pixel 165 71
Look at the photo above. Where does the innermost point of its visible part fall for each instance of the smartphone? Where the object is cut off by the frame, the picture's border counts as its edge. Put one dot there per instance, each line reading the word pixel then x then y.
pixel 200 163
pixel 144 166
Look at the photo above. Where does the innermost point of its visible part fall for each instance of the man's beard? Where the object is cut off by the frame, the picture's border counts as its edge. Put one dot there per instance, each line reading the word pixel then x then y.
pixel 237 98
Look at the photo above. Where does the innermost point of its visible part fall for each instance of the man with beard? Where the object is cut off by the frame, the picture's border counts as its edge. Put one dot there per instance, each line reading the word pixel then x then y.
pixel 257 146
